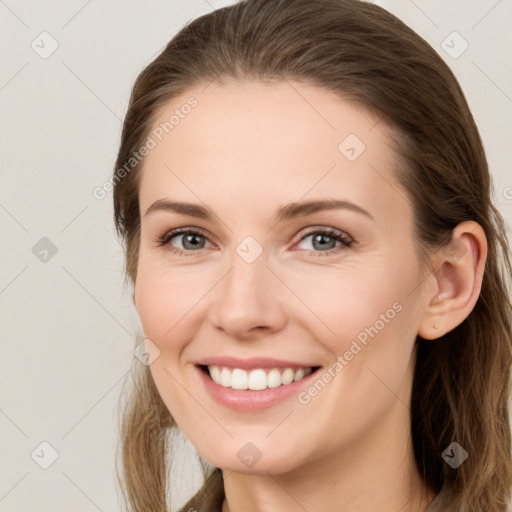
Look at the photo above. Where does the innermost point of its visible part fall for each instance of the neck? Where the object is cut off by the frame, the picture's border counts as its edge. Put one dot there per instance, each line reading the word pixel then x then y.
pixel 376 472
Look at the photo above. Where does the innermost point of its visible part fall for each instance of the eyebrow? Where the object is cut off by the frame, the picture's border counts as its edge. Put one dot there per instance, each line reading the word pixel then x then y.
pixel 286 212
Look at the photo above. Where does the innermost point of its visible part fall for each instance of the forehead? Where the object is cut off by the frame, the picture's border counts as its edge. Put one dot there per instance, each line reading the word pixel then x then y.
pixel 248 142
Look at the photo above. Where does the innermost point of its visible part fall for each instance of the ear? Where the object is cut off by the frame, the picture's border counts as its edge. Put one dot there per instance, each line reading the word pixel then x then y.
pixel 458 273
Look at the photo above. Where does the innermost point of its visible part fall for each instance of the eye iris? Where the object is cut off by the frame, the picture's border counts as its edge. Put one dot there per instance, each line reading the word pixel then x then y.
pixel 319 237
pixel 186 239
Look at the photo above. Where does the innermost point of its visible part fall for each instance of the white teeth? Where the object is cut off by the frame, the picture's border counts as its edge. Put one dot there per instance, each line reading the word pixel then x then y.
pixel 298 374
pixel 287 376
pixel 255 379
pixel 225 378
pixel 215 373
pixel 239 379
pixel 273 378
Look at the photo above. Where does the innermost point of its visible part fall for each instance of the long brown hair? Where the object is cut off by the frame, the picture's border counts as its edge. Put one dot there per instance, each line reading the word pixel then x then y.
pixel 363 53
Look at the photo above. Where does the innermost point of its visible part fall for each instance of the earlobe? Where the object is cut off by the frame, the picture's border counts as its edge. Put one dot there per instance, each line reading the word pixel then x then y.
pixel 458 273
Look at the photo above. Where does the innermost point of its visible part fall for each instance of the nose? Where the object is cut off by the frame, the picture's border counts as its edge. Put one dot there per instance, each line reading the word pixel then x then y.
pixel 248 300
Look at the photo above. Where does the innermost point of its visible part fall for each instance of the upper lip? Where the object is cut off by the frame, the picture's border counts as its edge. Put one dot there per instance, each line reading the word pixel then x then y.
pixel 253 362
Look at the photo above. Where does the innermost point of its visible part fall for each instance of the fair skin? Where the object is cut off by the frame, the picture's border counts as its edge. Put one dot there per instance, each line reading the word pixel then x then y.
pixel 244 151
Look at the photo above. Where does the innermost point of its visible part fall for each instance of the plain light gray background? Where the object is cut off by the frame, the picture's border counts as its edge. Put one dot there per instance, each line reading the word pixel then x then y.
pixel 68 326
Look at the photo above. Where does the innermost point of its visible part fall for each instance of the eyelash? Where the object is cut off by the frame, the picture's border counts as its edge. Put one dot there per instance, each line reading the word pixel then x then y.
pixel 345 240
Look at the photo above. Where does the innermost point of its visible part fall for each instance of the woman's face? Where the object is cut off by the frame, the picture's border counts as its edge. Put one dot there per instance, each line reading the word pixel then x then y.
pixel 259 286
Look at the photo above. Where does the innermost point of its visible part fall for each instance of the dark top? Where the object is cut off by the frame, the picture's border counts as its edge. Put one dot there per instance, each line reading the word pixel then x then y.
pixel 211 496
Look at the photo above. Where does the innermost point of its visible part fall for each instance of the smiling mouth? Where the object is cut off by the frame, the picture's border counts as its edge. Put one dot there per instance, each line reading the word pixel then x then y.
pixel 256 379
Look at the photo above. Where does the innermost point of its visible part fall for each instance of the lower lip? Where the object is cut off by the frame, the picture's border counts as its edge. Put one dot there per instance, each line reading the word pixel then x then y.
pixel 248 399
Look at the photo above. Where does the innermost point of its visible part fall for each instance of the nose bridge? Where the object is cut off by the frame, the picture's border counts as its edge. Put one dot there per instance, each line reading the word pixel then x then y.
pixel 248 269
pixel 244 300
pixel 246 282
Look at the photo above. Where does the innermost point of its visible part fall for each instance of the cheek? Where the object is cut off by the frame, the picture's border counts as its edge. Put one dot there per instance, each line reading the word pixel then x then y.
pixel 343 301
pixel 365 314
pixel 162 307
pixel 161 300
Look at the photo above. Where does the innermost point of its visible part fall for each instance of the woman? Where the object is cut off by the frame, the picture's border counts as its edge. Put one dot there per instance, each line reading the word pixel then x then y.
pixel 369 374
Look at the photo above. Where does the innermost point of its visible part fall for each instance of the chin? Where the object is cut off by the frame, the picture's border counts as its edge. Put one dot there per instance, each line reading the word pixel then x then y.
pixel 248 459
